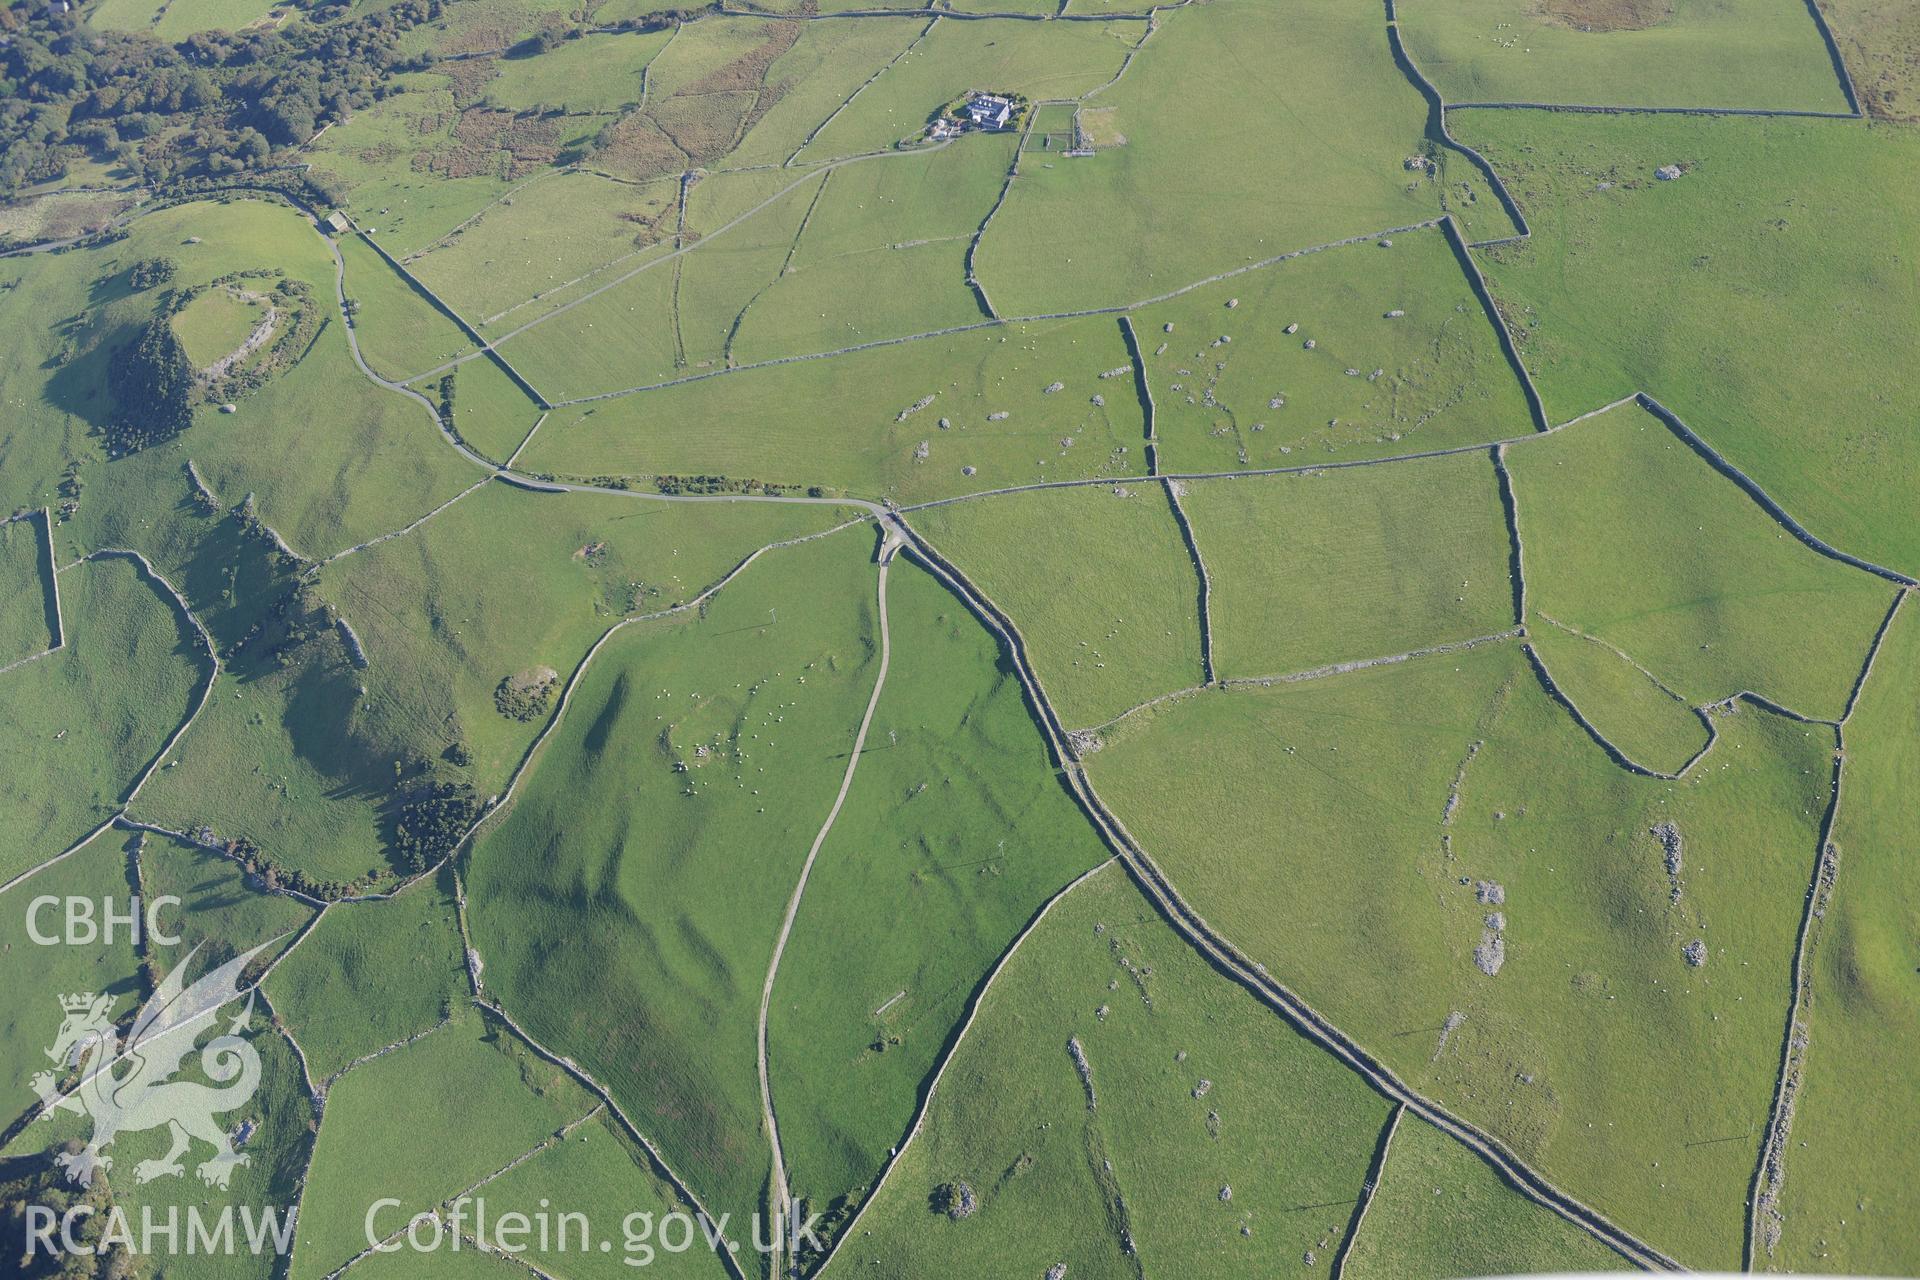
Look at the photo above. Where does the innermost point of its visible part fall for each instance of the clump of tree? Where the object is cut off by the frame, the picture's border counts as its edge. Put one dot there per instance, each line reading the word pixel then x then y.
pixel 150 273
pixel 152 384
pixel 35 1180
pixel 217 104
pixel 434 815
pixel 525 696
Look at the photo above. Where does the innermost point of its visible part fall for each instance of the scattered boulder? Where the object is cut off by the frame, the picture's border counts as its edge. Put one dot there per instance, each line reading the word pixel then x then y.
pixel 1695 952
pixel 1055 386
pixel 1490 954
pixel 1668 172
pixel 1396 313
pixel 1491 893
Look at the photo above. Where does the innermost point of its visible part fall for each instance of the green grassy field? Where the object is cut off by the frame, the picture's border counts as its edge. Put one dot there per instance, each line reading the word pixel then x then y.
pixel 474 1097
pixel 1781 237
pixel 84 722
pixel 282 757
pixel 371 974
pixel 1374 383
pixel 507 581
pixel 401 333
pixel 1631 536
pixel 825 67
pixel 634 333
pixel 216 323
pixel 1876 38
pixel 490 411
pixel 30 1012
pixel 69 311
pixel 1596 1048
pixel 1051 60
pixel 599 1172
pixel 221 911
pixel 1848 1177
pixel 954 834
pixel 372 152
pixel 1441 1211
pixel 1687 53
pixel 883 253
pixel 27 616
pixel 837 422
pixel 1099 583
pixel 175 20
pixel 1652 725
pixel 595 73
pixel 500 267
pixel 1322 123
pixel 230 573
pixel 634 935
pixel 331 458
pixel 1211 1124
pixel 1336 566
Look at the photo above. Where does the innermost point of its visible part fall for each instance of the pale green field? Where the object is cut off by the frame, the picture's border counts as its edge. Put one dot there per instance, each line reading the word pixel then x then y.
pixel 1441 1211
pixel 474 1097
pixel 500 268
pixel 837 422
pixel 1229 1143
pixel 1099 584
pixel 633 333
pixel 215 324
pixel 83 723
pixel 825 67
pixel 954 834
pixel 599 72
pixel 401 332
pixel 1849 1179
pixel 27 619
pixel 1373 383
pixel 883 254
pixel 1650 724
pixel 175 20
pixel 627 906
pixel 507 581
pixel 1596 1049
pixel 331 458
pixel 1337 566
pixel 1322 122
pixel 1700 53
pixel 1631 536
pixel 597 1171
pixel 1785 240
pixel 371 974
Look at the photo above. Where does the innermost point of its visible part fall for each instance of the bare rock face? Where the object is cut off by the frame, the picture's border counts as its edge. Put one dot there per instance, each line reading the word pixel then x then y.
pixel 1490 954
pixel 1695 952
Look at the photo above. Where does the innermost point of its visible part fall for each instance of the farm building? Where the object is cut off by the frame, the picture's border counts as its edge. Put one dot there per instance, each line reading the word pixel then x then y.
pixel 989 111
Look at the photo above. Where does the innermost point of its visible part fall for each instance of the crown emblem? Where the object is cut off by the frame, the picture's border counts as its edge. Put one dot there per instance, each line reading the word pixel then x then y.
pixel 79 1002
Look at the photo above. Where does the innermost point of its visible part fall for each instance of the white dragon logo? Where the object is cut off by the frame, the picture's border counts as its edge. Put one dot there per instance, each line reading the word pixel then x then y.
pixel 128 1089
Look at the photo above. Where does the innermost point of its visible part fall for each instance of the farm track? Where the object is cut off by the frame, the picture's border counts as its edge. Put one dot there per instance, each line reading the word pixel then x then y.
pixel 781 1193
